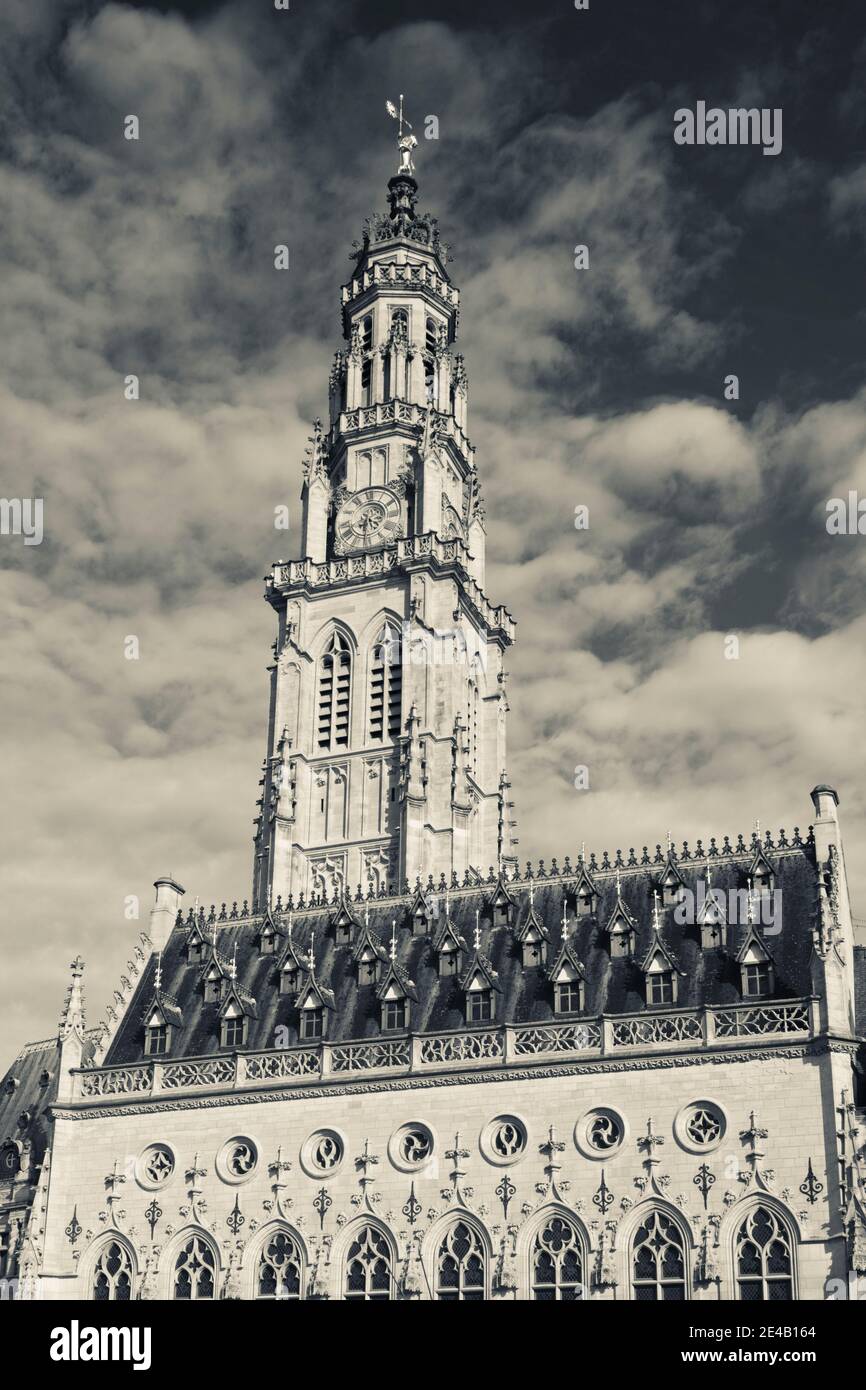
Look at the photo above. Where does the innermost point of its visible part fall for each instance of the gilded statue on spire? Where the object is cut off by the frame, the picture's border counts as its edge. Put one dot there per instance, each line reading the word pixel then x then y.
pixel 405 143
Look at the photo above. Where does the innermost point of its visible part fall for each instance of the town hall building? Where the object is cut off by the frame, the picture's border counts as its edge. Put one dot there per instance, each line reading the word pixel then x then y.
pixel 405 1066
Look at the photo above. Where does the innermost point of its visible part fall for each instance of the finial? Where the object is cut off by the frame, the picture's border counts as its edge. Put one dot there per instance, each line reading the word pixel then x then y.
pixel 158 979
pixel 618 884
pixel 582 851
pixel 750 914
pixel 290 926
pixel 234 970
pixel 531 894
pixel 564 916
pixel 709 874
pixel 670 843
pixel 655 910
pixel 405 143
pixel 477 930
pixel 313 952
pixel 393 940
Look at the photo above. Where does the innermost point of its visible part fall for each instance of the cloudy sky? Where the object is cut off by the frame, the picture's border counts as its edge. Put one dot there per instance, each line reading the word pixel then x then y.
pixel 601 387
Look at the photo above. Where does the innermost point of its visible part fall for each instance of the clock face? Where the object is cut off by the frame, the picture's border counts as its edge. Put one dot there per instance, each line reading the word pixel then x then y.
pixel 369 518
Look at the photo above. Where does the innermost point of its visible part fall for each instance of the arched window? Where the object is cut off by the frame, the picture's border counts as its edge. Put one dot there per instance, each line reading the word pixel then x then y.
pixel 366 364
pixel 557 1263
pixel 280 1268
pixel 765 1270
pixel 431 335
pixel 472 699
pixel 112 1277
pixel 658 1260
pixel 334 681
pixel 194 1275
pixel 368 1267
pixel 386 686
pixel 460 1266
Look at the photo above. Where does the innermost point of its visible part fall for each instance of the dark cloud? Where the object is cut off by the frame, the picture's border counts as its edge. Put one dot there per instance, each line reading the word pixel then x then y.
pixel 600 388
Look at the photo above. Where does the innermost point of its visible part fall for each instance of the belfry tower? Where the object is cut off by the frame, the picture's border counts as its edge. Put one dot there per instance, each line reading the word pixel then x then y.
pixel 386 736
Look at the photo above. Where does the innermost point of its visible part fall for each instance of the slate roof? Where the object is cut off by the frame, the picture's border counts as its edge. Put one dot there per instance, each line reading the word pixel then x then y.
pixel 612 986
pixel 860 988
pixel 29 1096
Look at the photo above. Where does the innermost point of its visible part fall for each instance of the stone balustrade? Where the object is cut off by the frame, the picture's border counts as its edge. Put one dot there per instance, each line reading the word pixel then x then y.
pixel 377 563
pixel 588 1039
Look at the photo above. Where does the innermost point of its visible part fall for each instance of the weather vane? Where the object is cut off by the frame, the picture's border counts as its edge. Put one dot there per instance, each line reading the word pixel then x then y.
pixel 405 143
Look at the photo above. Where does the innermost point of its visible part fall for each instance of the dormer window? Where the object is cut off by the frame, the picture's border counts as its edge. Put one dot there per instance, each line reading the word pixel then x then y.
pixel 499 906
pixel 234 1031
pixel 660 972
pixel 661 987
pixel 289 979
pixel 343 924
pixel 585 894
pixel 195 945
pixel 712 920
pixel 531 936
pixel 368 969
pixel 479 1005
pixel 395 1015
pixel 671 883
pixel 621 943
pixel 420 914
pixel 156 1039
pixel 568 996
pixel 213 987
pixel 757 971
pixel 757 980
pixel 267 941
pixel 312 1024
pixel 449 960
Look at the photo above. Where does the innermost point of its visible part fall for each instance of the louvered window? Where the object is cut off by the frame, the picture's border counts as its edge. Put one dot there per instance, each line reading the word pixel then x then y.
pixel 386 686
pixel 334 690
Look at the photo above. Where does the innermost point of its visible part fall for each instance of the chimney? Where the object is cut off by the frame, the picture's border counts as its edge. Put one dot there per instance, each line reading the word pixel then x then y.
pixel 164 911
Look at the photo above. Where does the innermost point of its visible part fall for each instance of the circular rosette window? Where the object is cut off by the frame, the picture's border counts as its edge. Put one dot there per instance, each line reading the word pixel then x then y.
pixel 237 1160
pixel 700 1127
pixel 504 1140
pixel 600 1133
pixel 154 1166
pixel 322 1153
pixel 411 1147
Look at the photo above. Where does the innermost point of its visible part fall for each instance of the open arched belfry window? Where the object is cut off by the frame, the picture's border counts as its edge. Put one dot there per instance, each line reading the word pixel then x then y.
pixel 335 679
pixel 386 685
